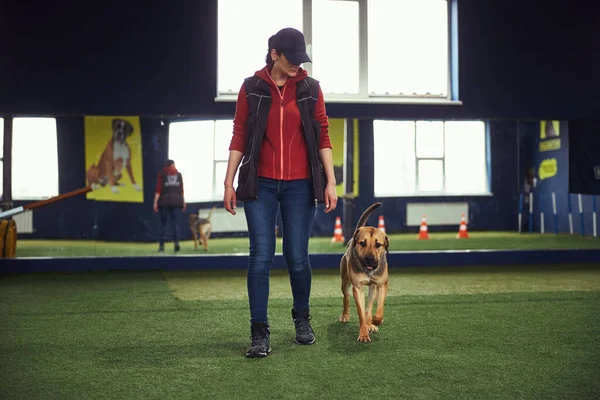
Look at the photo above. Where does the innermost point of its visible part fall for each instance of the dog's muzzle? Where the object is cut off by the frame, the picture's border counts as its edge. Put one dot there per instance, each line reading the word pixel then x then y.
pixel 119 136
pixel 370 263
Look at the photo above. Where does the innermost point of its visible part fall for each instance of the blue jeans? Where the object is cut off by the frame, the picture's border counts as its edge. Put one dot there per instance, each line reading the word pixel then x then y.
pixel 168 213
pixel 295 201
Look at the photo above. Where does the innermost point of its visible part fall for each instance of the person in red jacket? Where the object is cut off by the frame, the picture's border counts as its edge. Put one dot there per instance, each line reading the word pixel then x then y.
pixel 285 182
pixel 168 198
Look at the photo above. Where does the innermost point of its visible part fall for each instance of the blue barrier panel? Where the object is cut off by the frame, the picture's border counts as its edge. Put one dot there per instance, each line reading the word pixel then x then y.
pixel 328 260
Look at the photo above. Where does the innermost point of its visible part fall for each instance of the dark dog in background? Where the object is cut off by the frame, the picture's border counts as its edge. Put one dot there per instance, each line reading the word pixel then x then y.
pixel 201 228
pixel 114 159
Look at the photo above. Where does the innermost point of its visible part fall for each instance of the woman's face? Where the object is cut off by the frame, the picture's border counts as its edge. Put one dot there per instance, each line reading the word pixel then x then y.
pixel 284 65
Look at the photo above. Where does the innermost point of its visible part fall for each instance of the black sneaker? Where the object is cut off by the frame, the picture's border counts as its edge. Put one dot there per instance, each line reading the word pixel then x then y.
pixel 261 340
pixel 177 248
pixel 304 332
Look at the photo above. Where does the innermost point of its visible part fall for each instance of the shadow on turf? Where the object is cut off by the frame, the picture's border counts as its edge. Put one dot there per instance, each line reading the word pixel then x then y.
pixel 148 356
pixel 342 338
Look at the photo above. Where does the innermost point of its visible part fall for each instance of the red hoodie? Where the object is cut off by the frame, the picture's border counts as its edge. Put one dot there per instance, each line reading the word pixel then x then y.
pixel 170 170
pixel 283 152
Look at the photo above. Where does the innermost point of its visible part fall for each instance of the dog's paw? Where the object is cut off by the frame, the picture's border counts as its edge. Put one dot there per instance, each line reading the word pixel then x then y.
pixel 373 328
pixel 137 187
pixel 364 338
pixel 344 318
pixel 363 335
pixel 114 189
pixel 377 320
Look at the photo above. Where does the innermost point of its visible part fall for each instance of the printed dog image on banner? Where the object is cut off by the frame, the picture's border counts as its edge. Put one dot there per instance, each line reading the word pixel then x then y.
pixel 113 158
pixel 337 135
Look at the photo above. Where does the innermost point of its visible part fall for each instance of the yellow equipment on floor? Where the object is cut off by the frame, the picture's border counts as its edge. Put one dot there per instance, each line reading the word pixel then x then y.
pixel 8 238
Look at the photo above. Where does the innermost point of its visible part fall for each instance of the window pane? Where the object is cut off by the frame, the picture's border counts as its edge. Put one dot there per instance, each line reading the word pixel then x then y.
pixel 394 158
pixel 240 56
pixel 408 47
pixel 335 45
pixel 191 147
pixel 220 171
pixel 29 181
pixel 466 168
pixel 430 139
pixel 431 175
pixel 223 134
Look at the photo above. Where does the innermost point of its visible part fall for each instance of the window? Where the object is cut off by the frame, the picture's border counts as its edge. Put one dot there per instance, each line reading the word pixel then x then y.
pixel 34 144
pixel 200 150
pixel 408 40
pixel 362 50
pixel 416 158
pixel 239 56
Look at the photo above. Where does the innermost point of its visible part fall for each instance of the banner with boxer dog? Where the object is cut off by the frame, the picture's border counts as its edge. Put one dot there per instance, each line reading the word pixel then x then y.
pixel 338 136
pixel 113 158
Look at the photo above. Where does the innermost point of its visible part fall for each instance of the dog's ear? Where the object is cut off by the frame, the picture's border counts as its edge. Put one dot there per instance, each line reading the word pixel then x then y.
pixel 387 245
pixel 128 128
pixel 115 123
pixel 355 237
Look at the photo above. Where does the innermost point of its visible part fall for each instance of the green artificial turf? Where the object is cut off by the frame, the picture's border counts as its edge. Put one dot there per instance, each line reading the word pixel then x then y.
pixel 510 333
pixel 398 242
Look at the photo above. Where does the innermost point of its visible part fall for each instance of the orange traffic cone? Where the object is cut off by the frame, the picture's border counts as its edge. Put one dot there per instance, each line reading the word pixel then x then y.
pixel 462 231
pixel 337 232
pixel 423 232
pixel 381 224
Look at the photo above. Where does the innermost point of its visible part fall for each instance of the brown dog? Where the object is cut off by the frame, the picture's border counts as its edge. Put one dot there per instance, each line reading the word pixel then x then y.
pixel 115 157
pixel 365 264
pixel 201 228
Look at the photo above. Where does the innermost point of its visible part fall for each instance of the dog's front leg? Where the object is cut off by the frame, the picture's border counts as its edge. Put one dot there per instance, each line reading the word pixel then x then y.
pixel 345 317
pixel 131 178
pixel 373 294
pixel 378 320
pixel 359 298
pixel 110 175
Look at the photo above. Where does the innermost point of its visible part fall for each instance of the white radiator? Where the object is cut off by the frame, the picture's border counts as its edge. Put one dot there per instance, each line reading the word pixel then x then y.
pixel 24 222
pixel 436 213
pixel 222 221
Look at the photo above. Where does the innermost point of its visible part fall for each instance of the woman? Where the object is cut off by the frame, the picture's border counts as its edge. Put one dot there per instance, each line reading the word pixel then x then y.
pixel 287 165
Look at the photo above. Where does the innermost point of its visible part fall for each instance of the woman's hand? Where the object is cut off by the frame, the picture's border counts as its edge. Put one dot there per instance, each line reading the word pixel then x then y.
pixel 330 198
pixel 229 200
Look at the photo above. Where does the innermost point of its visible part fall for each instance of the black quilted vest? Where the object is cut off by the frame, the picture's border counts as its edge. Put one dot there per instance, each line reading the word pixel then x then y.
pixel 171 194
pixel 258 95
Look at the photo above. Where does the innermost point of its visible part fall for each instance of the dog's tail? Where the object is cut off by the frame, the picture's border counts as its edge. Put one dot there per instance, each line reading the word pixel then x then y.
pixel 366 214
pixel 210 212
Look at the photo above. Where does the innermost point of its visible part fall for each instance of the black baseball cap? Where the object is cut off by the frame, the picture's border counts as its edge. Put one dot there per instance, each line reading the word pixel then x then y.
pixel 291 43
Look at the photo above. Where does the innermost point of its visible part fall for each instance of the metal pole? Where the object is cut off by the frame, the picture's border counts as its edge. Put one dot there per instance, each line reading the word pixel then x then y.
pixel 348 198
pixel 7 164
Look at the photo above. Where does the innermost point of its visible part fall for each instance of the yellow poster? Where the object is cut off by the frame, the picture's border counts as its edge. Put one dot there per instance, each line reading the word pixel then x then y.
pixel 337 136
pixel 549 129
pixel 549 135
pixel 113 158
pixel 356 159
pixel 337 130
pixel 548 168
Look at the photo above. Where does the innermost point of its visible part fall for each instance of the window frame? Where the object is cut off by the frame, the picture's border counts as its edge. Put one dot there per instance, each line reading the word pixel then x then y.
pixel 443 193
pixel 216 191
pixel 14 188
pixel 451 97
